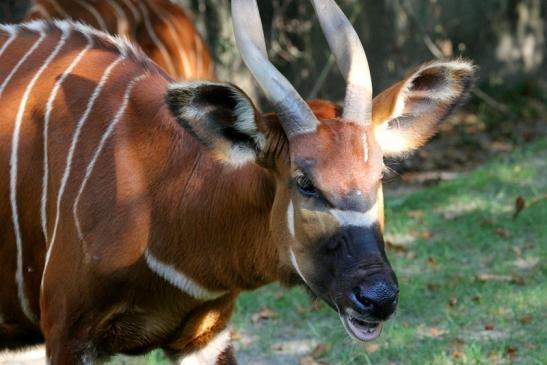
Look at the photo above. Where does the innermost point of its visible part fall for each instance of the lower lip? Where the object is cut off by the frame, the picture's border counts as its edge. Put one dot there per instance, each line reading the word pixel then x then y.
pixel 362 332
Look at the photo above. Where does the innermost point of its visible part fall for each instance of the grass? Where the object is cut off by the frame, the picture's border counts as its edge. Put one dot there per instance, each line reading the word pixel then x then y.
pixel 472 281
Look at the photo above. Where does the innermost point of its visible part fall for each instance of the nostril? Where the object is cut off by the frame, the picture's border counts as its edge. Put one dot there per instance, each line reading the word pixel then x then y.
pixel 361 300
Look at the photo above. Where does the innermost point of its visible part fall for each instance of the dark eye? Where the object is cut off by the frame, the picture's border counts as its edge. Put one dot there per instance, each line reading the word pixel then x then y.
pixel 305 185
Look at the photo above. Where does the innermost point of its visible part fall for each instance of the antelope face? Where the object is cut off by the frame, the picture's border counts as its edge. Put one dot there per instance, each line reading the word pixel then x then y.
pixel 334 218
pixel 327 214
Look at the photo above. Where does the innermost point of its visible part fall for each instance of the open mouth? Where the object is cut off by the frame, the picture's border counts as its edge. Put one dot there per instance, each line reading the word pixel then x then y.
pixel 361 330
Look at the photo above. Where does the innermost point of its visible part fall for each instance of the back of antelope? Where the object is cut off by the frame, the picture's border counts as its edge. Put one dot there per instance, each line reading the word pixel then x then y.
pixel 161 28
pixel 135 209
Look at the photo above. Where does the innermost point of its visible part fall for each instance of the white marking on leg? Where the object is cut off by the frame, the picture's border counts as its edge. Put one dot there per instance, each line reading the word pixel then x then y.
pixel 106 135
pixel 208 355
pixel 19 278
pixel 47 118
pixel 21 61
pixel 68 165
pixel 358 219
pixel 179 280
pixel 12 31
pixel 98 17
pixel 121 19
pixel 159 44
pixel 58 9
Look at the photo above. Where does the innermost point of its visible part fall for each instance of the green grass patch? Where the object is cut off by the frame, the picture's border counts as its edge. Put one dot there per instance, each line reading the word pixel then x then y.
pixel 472 280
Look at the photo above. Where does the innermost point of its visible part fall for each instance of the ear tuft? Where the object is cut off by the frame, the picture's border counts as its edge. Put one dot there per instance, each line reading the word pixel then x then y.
pixel 407 114
pixel 220 116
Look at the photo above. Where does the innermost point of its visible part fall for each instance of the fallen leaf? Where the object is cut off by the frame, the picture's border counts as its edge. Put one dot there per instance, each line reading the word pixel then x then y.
pixel 517 250
pixel 511 351
pixel 457 354
pixel 525 319
pixel 396 246
pixel 308 360
pixel 372 347
pixel 435 332
pixel 263 314
pixel 526 263
pixel 520 203
pixel 493 277
pixel 426 235
pixel 452 301
pixel 432 261
pixel 503 232
pixel 476 298
pixel 415 214
pixel 320 350
pixel 489 326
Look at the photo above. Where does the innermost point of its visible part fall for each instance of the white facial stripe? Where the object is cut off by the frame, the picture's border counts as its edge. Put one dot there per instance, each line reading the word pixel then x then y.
pixel 98 17
pixel 208 355
pixel 295 265
pixel 179 280
pixel 72 149
pixel 47 117
pixel 356 219
pixel 365 146
pixel 106 135
pixel 159 44
pixel 290 218
pixel 19 278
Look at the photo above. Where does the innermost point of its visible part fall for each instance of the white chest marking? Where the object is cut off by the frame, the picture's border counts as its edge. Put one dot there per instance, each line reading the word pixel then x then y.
pixel 179 280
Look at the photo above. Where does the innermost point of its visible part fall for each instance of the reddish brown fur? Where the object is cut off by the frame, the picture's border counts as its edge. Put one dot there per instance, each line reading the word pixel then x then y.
pixel 154 188
pixel 163 15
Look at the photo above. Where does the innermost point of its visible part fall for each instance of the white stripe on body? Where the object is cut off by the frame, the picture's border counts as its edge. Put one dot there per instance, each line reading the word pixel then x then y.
pixel 98 17
pixel 178 279
pixel 106 135
pixel 12 31
pixel 133 10
pixel 59 9
pixel 167 19
pixel 208 355
pixel 47 118
pixel 358 219
pixel 156 40
pixel 121 19
pixel 68 165
pixel 19 279
pixel 39 8
pixel 21 61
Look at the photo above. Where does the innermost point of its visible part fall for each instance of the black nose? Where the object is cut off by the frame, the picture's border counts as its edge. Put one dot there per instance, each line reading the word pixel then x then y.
pixel 378 300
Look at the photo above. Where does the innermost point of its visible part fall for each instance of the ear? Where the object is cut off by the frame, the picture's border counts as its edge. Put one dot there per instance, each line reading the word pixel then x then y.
pixel 408 113
pixel 220 116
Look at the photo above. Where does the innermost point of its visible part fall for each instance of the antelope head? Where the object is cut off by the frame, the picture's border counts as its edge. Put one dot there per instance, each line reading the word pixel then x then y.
pixel 327 162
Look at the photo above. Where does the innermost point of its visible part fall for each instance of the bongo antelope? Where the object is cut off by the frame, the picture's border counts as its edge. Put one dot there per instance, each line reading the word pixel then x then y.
pixel 135 209
pixel 161 28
